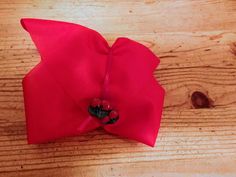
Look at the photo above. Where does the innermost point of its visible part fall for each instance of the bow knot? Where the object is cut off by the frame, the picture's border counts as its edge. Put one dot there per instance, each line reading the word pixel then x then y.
pixel 102 110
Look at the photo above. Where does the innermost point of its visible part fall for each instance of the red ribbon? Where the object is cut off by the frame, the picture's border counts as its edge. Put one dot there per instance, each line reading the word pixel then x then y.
pixel 78 65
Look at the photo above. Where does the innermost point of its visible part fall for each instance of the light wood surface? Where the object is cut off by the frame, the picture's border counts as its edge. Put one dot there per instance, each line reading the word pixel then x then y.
pixel 196 41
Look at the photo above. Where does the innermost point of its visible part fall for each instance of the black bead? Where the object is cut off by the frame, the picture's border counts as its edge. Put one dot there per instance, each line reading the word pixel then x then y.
pixel 99 113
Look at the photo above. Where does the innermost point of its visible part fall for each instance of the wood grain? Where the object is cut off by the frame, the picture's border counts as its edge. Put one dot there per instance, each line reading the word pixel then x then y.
pixel 196 42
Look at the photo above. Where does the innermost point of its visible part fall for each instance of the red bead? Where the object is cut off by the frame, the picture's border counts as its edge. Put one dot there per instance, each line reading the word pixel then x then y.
pixel 113 114
pixel 105 119
pixel 96 102
pixel 106 105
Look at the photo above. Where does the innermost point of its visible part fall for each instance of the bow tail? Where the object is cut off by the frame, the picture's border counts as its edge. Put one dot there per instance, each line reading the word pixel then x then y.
pixel 140 115
pixel 50 112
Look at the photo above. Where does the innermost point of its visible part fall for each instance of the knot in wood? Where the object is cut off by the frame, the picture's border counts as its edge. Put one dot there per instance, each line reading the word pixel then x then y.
pixel 200 100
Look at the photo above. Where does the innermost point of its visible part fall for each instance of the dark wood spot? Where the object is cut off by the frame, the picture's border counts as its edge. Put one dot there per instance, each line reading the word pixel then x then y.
pixel 168 56
pixel 233 48
pixel 229 64
pixel 200 100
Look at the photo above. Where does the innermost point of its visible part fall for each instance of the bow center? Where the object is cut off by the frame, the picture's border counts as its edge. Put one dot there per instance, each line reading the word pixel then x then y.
pixel 103 111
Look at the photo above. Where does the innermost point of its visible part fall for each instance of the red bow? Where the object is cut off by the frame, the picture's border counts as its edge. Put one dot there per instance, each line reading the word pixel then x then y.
pixel 81 84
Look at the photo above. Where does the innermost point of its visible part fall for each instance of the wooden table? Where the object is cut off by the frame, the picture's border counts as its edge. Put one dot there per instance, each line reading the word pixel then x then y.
pixel 196 41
